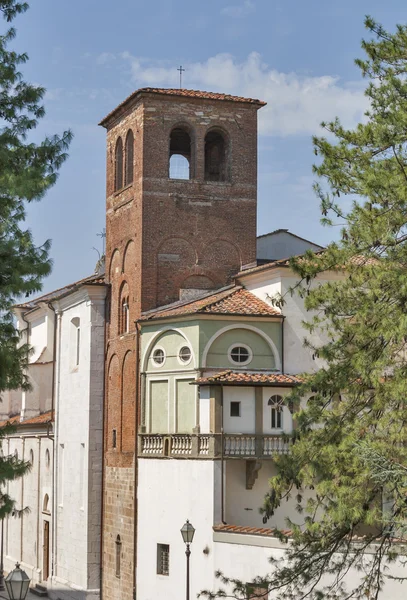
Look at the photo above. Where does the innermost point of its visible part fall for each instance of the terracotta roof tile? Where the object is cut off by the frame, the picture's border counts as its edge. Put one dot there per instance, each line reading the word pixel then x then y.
pixel 245 378
pixel 92 280
pixel 183 93
pixel 39 420
pixel 250 530
pixel 230 301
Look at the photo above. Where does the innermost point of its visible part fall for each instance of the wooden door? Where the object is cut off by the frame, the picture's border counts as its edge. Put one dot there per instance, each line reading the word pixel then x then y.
pixel 45 552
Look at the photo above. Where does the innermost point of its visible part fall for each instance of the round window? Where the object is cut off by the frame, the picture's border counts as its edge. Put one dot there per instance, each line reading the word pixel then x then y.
pixel 159 357
pixel 185 354
pixel 240 354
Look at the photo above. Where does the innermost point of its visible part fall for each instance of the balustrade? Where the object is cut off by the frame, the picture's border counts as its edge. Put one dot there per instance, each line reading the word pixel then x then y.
pixel 206 445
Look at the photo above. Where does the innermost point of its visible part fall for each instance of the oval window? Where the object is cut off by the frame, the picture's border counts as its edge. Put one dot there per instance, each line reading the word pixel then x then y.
pixel 240 354
pixel 185 354
pixel 159 357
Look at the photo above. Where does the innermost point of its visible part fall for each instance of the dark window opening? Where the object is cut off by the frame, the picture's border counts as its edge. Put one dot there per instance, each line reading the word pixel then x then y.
pixel 180 154
pixel 235 409
pixel 118 555
pixel 118 173
pixel 128 175
pixel 215 157
pixel 163 559
pixel 114 438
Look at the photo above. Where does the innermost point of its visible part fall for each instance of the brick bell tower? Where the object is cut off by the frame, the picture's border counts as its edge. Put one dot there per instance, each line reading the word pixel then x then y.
pixel 181 216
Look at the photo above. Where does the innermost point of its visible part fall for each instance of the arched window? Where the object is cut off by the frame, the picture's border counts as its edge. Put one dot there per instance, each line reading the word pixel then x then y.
pixel 124 311
pixel 277 404
pixel 47 458
pixel 180 154
pixel 31 457
pixel 128 174
pixel 118 172
pixel 216 157
pixel 45 504
pixel 118 555
pixel 75 341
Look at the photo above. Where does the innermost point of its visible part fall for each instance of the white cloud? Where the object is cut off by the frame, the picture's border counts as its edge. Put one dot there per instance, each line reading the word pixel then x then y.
pixel 296 103
pixel 238 11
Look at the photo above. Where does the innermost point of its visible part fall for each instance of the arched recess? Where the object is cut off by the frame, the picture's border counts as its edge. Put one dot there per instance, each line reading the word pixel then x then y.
pixel 174 255
pixel 154 340
pixel 45 504
pixel 114 268
pixel 128 411
pixel 113 403
pixel 198 282
pixel 221 252
pixel 217 155
pixel 129 158
pixel 123 324
pixel 263 335
pixel 118 165
pixel 129 259
pixel 180 160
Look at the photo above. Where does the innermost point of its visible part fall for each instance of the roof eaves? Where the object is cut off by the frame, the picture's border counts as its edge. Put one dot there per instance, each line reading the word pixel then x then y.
pixel 180 93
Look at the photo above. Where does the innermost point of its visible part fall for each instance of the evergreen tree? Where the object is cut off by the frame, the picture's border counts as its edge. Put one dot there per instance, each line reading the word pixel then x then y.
pixel 350 443
pixel 27 171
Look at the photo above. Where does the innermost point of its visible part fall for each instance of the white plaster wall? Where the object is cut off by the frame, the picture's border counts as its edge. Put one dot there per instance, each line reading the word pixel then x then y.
pixel 297 359
pixel 79 406
pixel 39 334
pixel 204 409
pixel 169 492
pixel 24 536
pixel 245 561
pixel 246 422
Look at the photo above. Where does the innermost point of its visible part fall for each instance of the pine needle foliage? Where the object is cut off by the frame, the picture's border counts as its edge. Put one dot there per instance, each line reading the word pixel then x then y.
pixel 27 171
pixel 350 450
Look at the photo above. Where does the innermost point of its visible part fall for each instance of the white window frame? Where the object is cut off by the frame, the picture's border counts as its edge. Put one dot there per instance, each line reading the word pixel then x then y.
pixel 240 345
pixel 157 364
pixel 184 363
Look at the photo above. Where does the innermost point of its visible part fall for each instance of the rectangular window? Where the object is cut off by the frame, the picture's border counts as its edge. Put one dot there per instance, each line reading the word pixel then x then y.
pixel 276 418
pixel 78 344
pixel 163 559
pixel 235 409
pixel 114 438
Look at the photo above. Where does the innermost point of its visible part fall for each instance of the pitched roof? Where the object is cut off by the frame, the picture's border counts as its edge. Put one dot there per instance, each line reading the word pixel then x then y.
pixel 230 301
pixel 276 231
pixel 92 280
pixel 250 530
pixel 38 420
pixel 183 93
pixel 254 378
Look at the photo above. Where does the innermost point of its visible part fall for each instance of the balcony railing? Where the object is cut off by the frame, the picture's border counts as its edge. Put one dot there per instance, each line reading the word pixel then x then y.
pixel 209 445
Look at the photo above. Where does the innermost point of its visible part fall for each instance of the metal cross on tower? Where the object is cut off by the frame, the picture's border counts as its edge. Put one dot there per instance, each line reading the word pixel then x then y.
pixel 181 70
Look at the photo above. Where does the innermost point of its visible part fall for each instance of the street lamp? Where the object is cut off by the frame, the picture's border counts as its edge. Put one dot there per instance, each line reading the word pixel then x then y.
pixel 187 533
pixel 17 583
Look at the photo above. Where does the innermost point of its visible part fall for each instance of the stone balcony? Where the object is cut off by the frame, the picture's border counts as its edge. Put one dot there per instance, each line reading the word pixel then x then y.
pixel 210 445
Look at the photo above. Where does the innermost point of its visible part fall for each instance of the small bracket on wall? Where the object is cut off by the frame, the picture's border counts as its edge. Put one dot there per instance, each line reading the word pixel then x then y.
pixel 252 472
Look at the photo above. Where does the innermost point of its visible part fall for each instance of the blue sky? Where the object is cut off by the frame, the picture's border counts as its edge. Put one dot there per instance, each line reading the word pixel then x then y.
pixel 90 54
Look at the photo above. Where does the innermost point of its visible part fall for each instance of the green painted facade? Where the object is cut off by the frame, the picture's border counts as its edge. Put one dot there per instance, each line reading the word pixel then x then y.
pixel 171 403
